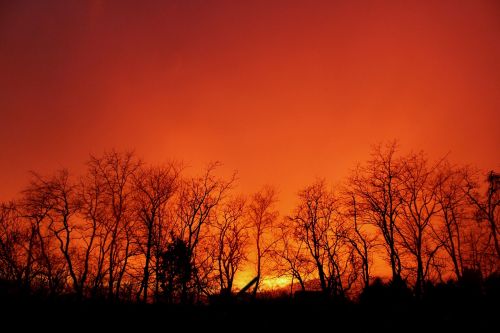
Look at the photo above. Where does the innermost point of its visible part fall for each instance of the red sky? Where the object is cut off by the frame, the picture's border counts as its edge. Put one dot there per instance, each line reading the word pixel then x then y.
pixel 282 91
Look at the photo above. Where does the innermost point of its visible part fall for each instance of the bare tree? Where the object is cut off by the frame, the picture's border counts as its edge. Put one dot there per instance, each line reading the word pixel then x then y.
pixel 126 229
pixel 262 215
pixel 95 234
pixel 38 205
pixel 162 237
pixel 115 172
pixel 231 237
pixel 377 185
pixel 359 235
pixel 290 256
pixel 479 254
pixel 198 196
pixel 452 204
pixel 487 205
pixel 418 194
pixel 318 224
pixel 12 237
pixel 64 207
pixel 153 188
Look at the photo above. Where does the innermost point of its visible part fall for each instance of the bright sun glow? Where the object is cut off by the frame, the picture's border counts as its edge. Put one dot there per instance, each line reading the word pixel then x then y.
pixel 276 283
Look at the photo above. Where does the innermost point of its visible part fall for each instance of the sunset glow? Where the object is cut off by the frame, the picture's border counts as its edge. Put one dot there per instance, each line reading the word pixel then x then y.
pixel 291 97
pixel 282 92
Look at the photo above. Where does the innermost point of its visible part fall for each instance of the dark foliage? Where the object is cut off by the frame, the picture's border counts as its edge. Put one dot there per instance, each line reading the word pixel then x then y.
pixel 176 272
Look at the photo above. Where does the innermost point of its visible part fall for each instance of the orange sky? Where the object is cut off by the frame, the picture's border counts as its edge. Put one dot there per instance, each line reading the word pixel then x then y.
pixel 282 91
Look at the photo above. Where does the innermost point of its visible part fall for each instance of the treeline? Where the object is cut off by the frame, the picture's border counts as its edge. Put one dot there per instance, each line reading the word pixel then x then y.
pixel 127 230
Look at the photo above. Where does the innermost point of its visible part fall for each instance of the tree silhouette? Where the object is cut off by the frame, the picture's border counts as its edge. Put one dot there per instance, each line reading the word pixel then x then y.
pixel 290 256
pixel 115 173
pixel 418 209
pixel 262 216
pixel 125 230
pixel 487 205
pixel 176 271
pixel 232 238
pixel 359 236
pixel 198 198
pixel 319 225
pixel 11 239
pixel 378 186
pixel 153 188
pixel 452 207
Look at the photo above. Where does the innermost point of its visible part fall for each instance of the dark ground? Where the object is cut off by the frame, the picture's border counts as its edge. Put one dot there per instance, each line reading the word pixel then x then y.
pixel 441 312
